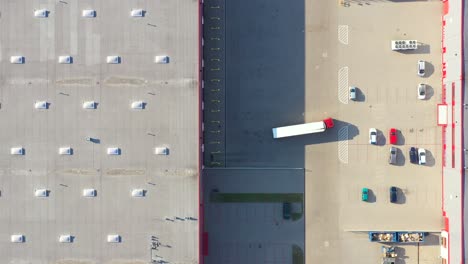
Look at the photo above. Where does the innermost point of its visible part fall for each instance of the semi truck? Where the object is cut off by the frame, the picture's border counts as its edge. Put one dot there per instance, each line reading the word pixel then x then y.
pixel 302 129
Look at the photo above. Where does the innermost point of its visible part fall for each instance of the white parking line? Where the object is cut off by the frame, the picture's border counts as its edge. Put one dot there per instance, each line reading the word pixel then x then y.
pixel 343 145
pixel 343 34
pixel 343 89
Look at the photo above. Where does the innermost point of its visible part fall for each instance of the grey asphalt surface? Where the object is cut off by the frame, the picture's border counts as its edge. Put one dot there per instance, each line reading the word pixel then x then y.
pixel 252 232
pixel 263 78
pixel 214 92
pixel 260 86
pixel 169 119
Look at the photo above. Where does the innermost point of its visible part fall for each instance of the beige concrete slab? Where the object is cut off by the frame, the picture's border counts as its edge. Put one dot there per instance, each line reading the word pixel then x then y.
pixel 387 83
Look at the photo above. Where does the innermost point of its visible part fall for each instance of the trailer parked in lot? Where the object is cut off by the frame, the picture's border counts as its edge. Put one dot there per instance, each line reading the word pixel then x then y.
pixel 410 237
pixel 385 237
pixel 302 129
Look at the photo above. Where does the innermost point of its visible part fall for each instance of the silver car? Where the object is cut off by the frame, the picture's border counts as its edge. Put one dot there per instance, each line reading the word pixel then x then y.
pixel 421 91
pixel 393 156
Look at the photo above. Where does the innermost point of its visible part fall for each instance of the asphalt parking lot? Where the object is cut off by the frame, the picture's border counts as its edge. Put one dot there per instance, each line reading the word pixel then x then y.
pixel 344 50
pixel 252 84
pixel 252 232
pixel 260 84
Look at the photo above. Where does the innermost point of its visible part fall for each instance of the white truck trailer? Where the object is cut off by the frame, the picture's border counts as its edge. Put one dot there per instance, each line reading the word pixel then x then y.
pixel 302 129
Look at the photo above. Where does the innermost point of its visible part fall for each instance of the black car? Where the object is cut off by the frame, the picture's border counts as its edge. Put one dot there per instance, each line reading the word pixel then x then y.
pixel 393 194
pixel 413 154
pixel 286 210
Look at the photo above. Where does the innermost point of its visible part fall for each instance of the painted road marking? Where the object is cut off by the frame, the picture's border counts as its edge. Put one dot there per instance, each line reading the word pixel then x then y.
pixel 343 85
pixel 343 144
pixel 343 34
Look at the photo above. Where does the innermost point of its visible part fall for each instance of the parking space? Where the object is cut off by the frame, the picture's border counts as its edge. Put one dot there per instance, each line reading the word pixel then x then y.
pixel 253 252
pixel 264 81
pixel 350 51
pixel 214 92
pixel 252 232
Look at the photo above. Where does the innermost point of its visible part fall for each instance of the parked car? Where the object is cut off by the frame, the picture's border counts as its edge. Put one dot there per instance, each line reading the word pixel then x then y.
pixel 422 156
pixel 365 194
pixel 286 211
pixel 392 134
pixel 421 68
pixel 352 93
pixel 373 136
pixel 421 91
pixel 393 156
pixel 393 194
pixel 413 153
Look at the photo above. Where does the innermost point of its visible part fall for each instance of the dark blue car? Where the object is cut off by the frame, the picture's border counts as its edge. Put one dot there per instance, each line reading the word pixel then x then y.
pixel 413 154
pixel 393 194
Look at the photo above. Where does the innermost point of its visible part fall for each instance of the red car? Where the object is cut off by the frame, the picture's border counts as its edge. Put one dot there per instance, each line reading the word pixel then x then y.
pixel 393 136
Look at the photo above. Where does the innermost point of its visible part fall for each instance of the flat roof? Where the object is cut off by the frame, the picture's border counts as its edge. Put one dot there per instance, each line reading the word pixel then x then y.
pixel 168 213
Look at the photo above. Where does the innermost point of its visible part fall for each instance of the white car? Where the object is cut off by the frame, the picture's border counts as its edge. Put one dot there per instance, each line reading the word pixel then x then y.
pixel 421 91
pixel 65 151
pixel 41 193
pixel 161 59
pixel 114 59
pixel 138 193
pixel 373 136
pixel 114 238
pixel 17 59
pixel 422 156
pixel 89 192
pixel 17 151
pixel 89 13
pixel 421 68
pixel 137 13
pixel 41 13
pixel 138 105
pixel 17 238
pixel 89 105
pixel 113 151
pixel 66 59
pixel 66 238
